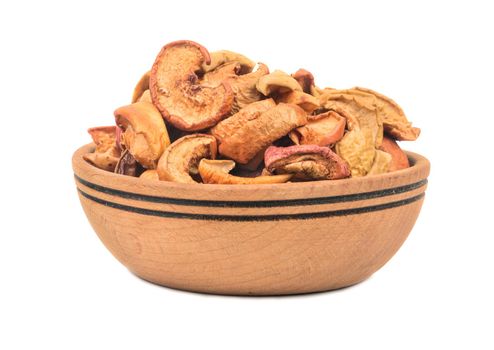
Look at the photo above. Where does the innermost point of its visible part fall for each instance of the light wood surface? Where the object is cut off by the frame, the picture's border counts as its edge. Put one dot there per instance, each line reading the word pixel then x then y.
pixel 252 239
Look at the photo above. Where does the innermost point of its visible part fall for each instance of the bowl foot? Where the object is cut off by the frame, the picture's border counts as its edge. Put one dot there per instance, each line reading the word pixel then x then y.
pixel 212 291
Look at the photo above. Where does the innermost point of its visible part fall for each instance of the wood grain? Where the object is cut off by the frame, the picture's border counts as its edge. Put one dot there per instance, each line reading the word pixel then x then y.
pixel 252 239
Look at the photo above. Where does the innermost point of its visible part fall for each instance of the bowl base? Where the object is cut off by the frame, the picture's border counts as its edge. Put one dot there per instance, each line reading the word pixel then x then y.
pixel 250 293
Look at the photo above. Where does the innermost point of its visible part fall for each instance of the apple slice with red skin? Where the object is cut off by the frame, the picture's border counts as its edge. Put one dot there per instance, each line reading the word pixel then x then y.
pixel 181 97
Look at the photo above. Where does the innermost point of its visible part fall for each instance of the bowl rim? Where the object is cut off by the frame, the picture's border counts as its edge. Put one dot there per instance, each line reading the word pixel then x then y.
pixel 83 170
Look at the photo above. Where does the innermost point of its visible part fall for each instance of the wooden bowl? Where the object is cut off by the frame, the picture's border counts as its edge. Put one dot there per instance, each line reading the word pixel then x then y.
pixel 252 239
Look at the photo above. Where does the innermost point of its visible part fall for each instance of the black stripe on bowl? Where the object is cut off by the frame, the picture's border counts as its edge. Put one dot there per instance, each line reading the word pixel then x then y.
pixel 254 204
pixel 213 217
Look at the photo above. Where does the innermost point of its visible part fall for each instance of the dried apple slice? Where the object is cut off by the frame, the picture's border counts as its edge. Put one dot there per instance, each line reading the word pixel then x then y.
pixel 103 137
pixel 382 161
pixel 144 132
pixel 320 92
pixel 182 157
pixel 254 164
pixel 399 159
pixel 252 111
pixel 221 73
pixel 307 162
pixel 217 172
pixel 278 82
pixel 128 165
pixel 141 87
pixel 358 146
pixel 219 58
pixel 305 79
pixel 150 174
pixel 244 87
pixel 145 97
pixel 258 133
pixel 358 150
pixel 106 153
pixel 359 108
pixel 394 120
pixel 307 102
pixel 322 129
pixel 179 95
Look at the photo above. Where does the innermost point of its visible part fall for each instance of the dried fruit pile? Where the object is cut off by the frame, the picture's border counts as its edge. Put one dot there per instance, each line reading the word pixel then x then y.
pixel 210 117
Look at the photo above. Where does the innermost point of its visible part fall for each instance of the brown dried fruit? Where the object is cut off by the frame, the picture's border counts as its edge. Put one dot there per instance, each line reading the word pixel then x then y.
pixel 358 150
pixel 308 162
pixel 307 102
pixel 220 94
pixel 144 132
pixel 318 92
pixel 145 97
pixel 399 159
pixel 394 120
pixel 258 133
pixel 382 160
pixel 322 129
pixel 150 174
pixel 278 82
pixel 128 165
pixel 305 79
pixel 255 162
pixel 217 172
pixel 182 157
pixel 141 87
pixel 219 58
pixel 358 146
pixel 252 111
pixel 359 108
pixel 106 153
pixel 179 95
pixel 103 137
pixel 221 73
pixel 244 87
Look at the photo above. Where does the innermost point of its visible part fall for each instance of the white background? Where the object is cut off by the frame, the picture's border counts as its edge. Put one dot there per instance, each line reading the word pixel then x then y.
pixel 66 66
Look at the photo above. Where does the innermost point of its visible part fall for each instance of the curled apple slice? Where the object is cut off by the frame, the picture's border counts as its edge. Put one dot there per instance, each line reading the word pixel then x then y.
pixel 219 58
pixel 278 82
pixel 257 133
pixel 230 125
pixel 145 97
pixel 305 79
pixel 394 120
pixel 180 95
pixel 141 87
pixel 128 165
pixel 306 101
pixel 181 158
pixel 399 159
pixel 322 129
pixel 144 132
pixel 217 172
pixel 217 76
pixel 244 87
pixel 382 161
pixel 358 150
pixel 106 153
pixel 359 108
pixel 150 174
pixel 358 145
pixel 306 162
